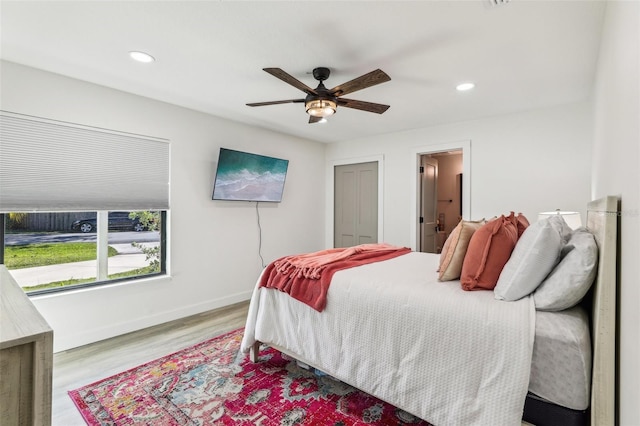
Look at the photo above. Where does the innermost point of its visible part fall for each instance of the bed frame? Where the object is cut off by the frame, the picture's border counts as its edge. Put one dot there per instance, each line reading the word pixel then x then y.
pixel 602 222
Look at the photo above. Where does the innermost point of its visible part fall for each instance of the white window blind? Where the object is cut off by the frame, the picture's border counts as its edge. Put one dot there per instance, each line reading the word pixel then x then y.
pixel 48 165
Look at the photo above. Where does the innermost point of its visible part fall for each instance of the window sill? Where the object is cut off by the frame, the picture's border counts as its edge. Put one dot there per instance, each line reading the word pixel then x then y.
pixel 99 285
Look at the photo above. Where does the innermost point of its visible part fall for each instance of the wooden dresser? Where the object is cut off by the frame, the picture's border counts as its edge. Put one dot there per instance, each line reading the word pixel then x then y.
pixel 26 358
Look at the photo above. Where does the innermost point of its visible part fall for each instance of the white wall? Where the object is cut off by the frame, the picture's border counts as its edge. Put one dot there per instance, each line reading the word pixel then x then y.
pixel 527 162
pixel 213 246
pixel 615 171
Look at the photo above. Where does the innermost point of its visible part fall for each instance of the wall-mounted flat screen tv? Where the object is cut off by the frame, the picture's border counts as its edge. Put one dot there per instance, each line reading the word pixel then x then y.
pixel 242 176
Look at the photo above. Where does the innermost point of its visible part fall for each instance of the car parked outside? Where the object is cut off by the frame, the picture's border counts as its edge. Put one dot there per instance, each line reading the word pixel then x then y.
pixel 118 221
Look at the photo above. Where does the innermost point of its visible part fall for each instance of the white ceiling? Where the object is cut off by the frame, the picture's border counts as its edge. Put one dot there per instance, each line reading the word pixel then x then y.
pixel 210 54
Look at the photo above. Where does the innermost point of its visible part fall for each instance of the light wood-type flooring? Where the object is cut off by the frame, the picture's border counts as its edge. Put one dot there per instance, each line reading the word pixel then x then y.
pixel 77 367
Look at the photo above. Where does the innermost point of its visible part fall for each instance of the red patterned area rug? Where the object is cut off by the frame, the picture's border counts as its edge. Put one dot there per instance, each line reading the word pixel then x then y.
pixel 213 383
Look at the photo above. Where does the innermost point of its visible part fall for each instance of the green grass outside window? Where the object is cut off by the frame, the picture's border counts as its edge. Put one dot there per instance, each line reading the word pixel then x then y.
pixel 32 255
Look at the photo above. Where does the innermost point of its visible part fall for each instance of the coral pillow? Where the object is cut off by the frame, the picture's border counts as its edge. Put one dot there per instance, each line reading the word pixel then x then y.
pixel 489 250
pixel 522 224
pixel 455 248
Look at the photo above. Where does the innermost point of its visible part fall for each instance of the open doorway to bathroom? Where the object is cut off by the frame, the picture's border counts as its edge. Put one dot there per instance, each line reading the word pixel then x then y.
pixel 440 198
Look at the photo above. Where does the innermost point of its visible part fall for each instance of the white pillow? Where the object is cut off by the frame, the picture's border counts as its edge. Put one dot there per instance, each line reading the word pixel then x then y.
pixel 570 280
pixel 534 256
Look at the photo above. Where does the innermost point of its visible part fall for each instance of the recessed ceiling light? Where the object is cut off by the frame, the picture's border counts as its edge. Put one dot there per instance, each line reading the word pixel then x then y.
pixel 465 86
pixel 141 57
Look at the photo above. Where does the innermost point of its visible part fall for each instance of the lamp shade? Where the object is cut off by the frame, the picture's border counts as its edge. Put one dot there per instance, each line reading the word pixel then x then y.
pixel 572 219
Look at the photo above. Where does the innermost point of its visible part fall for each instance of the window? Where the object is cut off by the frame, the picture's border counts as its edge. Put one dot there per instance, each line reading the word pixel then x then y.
pixel 65 186
pixel 47 252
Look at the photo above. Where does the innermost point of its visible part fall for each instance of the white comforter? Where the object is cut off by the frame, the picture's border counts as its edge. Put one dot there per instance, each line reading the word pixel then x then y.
pixel 391 329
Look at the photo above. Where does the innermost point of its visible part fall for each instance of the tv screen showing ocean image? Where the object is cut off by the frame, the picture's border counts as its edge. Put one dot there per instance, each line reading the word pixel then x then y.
pixel 242 176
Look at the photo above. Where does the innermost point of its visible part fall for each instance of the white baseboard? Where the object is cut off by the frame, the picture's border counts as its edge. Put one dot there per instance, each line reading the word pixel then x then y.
pixel 63 342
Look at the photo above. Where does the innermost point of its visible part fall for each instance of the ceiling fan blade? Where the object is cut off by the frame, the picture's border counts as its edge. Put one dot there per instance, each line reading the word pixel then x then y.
pixel 362 105
pixel 314 119
pixel 370 79
pixel 287 78
pixel 288 101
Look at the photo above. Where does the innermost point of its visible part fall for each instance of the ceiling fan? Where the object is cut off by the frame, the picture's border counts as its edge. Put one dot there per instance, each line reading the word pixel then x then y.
pixel 322 102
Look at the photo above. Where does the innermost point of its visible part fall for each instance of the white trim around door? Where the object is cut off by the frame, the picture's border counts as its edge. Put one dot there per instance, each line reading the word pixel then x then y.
pixel 416 152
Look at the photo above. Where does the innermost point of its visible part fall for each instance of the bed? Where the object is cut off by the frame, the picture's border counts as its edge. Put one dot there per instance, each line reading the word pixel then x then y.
pixel 454 357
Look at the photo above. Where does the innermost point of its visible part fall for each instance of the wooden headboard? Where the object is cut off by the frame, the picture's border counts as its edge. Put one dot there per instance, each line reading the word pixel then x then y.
pixel 602 222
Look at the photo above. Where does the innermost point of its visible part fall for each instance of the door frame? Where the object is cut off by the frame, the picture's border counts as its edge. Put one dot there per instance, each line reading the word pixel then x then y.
pixel 420 243
pixel 330 194
pixel 414 185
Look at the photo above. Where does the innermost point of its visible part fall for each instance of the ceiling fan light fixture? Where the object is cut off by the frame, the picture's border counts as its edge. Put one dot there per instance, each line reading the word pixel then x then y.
pixel 321 107
pixel 322 102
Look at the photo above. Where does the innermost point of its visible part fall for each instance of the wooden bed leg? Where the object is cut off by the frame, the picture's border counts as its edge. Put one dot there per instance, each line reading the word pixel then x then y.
pixel 254 352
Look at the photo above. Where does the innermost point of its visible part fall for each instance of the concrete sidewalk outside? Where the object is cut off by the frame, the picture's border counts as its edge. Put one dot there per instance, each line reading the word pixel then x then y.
pixel 127 259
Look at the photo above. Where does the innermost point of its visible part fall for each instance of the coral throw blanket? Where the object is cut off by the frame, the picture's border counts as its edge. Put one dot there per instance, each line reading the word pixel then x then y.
pixel 306 277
